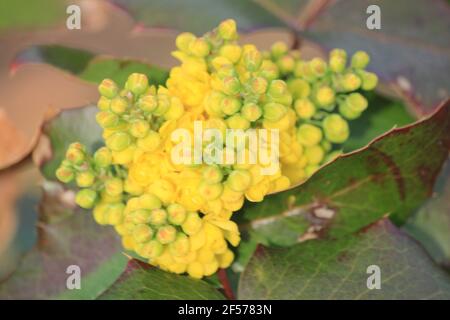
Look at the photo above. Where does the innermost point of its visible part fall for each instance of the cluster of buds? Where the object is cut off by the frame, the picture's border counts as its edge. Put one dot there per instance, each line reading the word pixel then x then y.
pixel 176 215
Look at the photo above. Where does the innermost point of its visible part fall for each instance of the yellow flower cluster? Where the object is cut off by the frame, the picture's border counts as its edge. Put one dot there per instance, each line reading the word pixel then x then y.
pixel 177 216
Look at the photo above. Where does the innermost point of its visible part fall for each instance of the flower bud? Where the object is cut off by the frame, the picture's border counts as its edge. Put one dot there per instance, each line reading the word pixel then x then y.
pixel 163 105
pixel 140 216
pixel 76 153
pixel 325 96
pixel 338 60
pixel 180 247
pixel 103 157
pixel 192 224
pixel 308 134
pixel 305 108
pixel 230 105
pixel 369 80
pixel 195 270
pixel 183 41
pixel 166 234
pixel 85 178
pixel 274 111
pixel 299 88
pixel 142 233
pixel 119 105
pixel 108 88
pixel 238 122
pixel 227 29
pixel 318 67
pixel 231 86
pixel 278 49
pixel 104 103
pixel 232 52
pixel 114 213
pixel 158 217
pixel 176 214
pixel 286 64
pixel 314 154
pixel 353 106
pixel 277 88
pixel 210 191
pixel 336 128
pixel 139 128
pixel 150 142
pixel 114 186
pixel 118 141
pixel 199 47
pixel 212 174
pixel 148 103
pixel 176 109
pixel 151 249
pixel 64 174
pixel 269 70
pixel 149 201
pixel 360 60
pixel 251 57
pixel 137 83
pixel 350 82
pixel 86 198
pixel 107 119
pixel 251 111
pixel 239 180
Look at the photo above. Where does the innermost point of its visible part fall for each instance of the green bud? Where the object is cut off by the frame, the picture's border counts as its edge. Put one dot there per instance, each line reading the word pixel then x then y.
pixel 278 49
pixel 114 213
pixel 304 70
pixel 86 198
pixel 104 103
pixel 230 105
pixel 158 217
pixel 114 186
pixel 183 40
pixel 314 154
pixel 148 103
pixel 118 141
pixel 237 122
pixel 227 30
pixel 180 247
pixel 332 156
pixel 239 180
pixel 107 119
pixel 149 201
pixel 336 128
pixel 139 128
pixel 350 82
pixel 325 96
pixel 318 67
pixel 64 174
pixel 338 60
pixel 274 111
pixel 305 108
pixel 299 88
pixel 108 88
pixel 140 216
pixel 369 80
pixel 353 106
pixel 226 71
pixel 137 83
pixel 269 70
pixel 85 179
pixel 142 233
pixel 76 154
pixel 166 234
pixel 286 64
pixel 231 86
pixel 163 105
pixel 277 88
pixel 251 111
pixel 309 135
pixel 360 60
pixel 119 105
pixel 103 157
pixel 258 85
pixel 210 191
pixel 311 169
pixel 176 214
pixel 151 249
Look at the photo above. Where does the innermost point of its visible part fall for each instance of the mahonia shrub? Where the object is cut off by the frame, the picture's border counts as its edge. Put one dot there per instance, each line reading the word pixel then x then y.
pixel 178 216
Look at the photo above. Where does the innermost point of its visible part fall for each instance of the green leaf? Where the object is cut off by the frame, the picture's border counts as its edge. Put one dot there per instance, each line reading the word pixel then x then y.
pixel 66 236
pixel 140 281
pixel 70 126
pixel 430 225
pixel 393 175
pixel 338 269
pixel 409 52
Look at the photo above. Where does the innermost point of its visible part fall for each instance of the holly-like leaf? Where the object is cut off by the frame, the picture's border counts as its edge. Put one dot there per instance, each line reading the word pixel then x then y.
pixel 409 51
pixel 346 269
pixel 431 223
pixel 70 126
pixel 393 175
pixel 141 281
pixel 69 244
